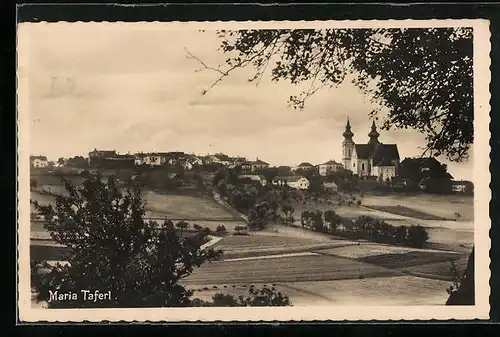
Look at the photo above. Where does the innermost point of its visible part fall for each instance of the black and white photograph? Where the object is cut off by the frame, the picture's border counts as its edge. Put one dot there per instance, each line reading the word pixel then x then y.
pixel 316 170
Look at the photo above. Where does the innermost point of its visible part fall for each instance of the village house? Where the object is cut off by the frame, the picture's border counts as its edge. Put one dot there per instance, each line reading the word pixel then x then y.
pixel 174 158
pixel 239 162
pixel 330 187
pixel 220 158
pixel 96 157
pixel 139 159
pixel 462 186
pixel 39 161
pixel 256 177
pixel 150 159
pixel 304 167
pixel 258 164
pixel 296 182
pixel 371 159
pixel 330 166
pixel 191 161
pixel 246 166
pixel 110 159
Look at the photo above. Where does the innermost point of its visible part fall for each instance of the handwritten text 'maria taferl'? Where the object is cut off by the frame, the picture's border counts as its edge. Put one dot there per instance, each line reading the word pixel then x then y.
pixel 86 295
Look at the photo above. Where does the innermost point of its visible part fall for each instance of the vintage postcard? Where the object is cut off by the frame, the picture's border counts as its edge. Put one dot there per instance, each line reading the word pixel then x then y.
pixel 253 171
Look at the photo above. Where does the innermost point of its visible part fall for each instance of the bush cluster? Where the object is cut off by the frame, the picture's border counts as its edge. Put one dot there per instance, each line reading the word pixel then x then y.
pixel 365 227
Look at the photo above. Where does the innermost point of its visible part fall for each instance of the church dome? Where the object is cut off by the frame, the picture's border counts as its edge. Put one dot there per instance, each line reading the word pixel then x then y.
pixel 373 134
pixel 348 133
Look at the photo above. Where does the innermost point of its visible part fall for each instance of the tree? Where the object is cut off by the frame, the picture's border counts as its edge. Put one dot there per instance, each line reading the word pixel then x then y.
pixel 417 236
pixel 422 76
pixel 462 292
pixel 221 229
pixel 197 227
pixel 265 297
pixel 33 183
pixel 182 225
pixel 78 162
pixel 113 248
pixel 333 220
pixel 61 161
pixel 258 216
pixel 287 210
pixel 317 221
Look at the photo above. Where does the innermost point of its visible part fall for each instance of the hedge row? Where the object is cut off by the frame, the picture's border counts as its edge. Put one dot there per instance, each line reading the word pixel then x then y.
pixel 365 227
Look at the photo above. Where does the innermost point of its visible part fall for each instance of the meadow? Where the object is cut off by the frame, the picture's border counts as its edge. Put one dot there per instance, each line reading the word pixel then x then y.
pixel 444 206
pixel 403 290
pixel 202 211
pixel 238 246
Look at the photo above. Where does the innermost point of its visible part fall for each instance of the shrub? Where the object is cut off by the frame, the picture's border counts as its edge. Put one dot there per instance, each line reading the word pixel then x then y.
pixel 417 236
pixel 401 233
pixel 221 229
pixel 241 230
pixel 224 300
pixel 264 297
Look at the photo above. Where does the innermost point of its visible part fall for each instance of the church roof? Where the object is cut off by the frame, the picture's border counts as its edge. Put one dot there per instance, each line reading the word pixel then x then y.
pixel 381 154
pixel 363 151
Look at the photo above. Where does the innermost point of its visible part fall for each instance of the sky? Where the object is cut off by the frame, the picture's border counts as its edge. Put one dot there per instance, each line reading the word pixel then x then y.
pixel 132 88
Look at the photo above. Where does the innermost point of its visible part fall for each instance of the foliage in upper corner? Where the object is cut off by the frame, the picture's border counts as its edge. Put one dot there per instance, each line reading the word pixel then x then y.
pixel 422 76
pixel 113 248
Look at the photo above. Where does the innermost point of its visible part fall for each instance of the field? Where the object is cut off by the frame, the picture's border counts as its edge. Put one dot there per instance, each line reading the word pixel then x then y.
pixel 196 210
pixel 184 207
pixel 407 212
pixel 365 250
pixel 258 245
pixel 346 211
pixel 444 206
pixel 286 269
pixel 398 290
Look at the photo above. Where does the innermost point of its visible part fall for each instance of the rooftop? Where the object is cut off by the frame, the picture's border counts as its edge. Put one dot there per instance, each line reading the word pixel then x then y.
pixel 331 162
pixel 44 158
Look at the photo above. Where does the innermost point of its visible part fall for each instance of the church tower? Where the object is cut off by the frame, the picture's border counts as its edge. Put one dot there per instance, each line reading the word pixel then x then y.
pixel 373 135
pixel 347 146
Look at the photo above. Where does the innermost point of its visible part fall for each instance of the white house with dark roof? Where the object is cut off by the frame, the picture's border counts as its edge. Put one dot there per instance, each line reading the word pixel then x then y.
pixel 297 182
pixel 329 166
pixel 220 158
pixel 150 159
pixel 330 186
pixel 371 159
pixel 258 164
pixel 192 161
pixel 304 167
pixel 39 161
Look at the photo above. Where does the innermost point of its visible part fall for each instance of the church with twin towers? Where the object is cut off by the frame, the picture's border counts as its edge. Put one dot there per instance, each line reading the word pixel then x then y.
pixel 371 159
